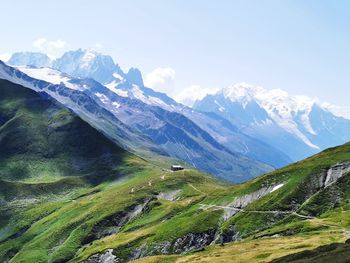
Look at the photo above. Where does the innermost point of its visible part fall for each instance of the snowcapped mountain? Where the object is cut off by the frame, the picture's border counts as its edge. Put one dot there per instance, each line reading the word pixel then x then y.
pixel 34 59
pixel 130 85
pixel 297 125
pixel 87 64
pixel 70 93
pixel 145 118
pixel 135 125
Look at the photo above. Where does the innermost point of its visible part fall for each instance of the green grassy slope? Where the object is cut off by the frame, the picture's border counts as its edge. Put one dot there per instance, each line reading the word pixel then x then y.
pixel 43 142
pixel 47 153
pixel 61 180
pixel 297 218
pixel 300 193
pixel 68 194
pixel 75 229
pixel 335 253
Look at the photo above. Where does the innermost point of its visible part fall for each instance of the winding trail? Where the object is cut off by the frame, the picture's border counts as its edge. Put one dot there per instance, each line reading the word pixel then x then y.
pixel 195 188
pixel 257 211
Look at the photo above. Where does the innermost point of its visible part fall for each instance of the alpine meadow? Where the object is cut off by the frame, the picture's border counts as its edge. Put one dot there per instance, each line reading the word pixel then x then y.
pixel 174 131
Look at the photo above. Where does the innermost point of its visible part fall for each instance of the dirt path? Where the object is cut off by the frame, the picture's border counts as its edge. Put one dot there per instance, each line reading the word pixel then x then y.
pixel 195 188
pixel 257 211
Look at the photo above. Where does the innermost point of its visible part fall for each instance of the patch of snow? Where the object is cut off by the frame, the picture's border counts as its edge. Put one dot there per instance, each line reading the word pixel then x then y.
pixel 113 87
pixel 117 76
pixel 138 94
pixel 116 104
pixel 282 108
pixel 193 93
pixel 89 56
pixel 222 109
pixel 158 102
pixel 104 99
pixel 276 187
pixel 49 75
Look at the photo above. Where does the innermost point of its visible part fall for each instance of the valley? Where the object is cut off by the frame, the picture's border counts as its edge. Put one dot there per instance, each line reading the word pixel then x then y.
pixel 174 131
pixel 120 207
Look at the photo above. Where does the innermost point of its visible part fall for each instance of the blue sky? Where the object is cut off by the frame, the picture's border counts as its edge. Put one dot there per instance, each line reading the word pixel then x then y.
pixel 299 46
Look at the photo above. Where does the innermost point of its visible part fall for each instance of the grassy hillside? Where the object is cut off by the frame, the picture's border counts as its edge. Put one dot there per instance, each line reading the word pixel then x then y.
pixel 43 142
pixel 68 194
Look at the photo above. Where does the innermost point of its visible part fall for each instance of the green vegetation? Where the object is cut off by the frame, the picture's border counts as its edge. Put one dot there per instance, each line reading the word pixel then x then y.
pixel 336 252
pixel 67 193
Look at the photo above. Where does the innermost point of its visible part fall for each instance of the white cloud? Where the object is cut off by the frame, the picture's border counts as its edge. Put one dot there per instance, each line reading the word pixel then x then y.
pixel 5 57
pixel 189 95
pixel 50 47
pixel 161 79
pixel 98 45
pixel 43 44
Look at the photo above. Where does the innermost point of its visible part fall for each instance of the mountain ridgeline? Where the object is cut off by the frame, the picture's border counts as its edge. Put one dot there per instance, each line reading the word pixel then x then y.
pixel 269 128
pixel 296 125
pixel 41 141
pixel 167 128
pixel 71 194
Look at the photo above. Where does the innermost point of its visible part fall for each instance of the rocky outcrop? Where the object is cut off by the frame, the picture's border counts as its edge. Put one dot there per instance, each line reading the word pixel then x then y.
pixel 105 257
pixel 336 172
pixel 245 200
pixel 230 235
pixel 113 223
pixel 189 242
pixel 170 196
pixel 138 252
pixel 193 241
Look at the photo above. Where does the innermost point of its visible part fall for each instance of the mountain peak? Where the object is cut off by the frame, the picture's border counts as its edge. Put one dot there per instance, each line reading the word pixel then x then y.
pixel 274 115
pixel 87 63
pixel 242 92
pixel 135 77
pixel 273 98
pixel 35 59
pixel 88 56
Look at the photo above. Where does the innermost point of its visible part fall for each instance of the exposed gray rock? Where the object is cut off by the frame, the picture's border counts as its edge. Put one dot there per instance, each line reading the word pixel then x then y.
pixel 186 243
pixel 113 223
pixel 193 241
pixel 106 257
pixel 245 200
pixel 161 248
pixel 170 196
pixel 336 172
pixel 229 212
pixel 242 201
pixel 231 235
pixel 138 252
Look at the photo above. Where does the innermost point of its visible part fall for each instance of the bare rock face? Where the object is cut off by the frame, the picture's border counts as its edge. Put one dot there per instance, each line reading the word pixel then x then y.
pixel 106 257
pixel 190 241
pixel 170 196
pixel 193 241
pixel 336 172
pixel 138 252
pixel 231 235
pixel 243 201
pixel 113 223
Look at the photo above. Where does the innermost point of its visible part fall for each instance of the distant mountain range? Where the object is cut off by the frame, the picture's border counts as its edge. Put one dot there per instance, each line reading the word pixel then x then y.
pixel 236 134
pixel 296 125
pixel 127 113
pixel 69 194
